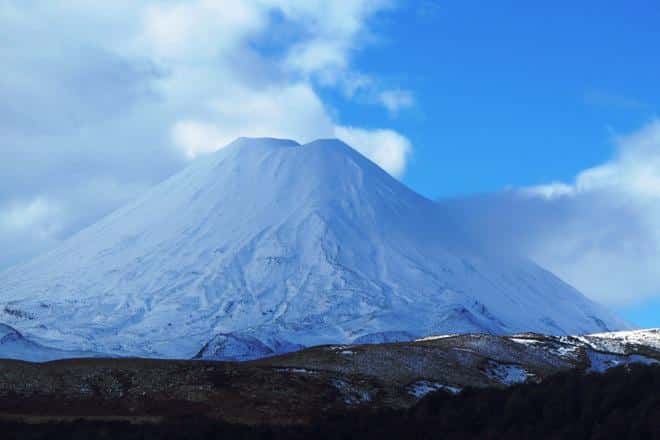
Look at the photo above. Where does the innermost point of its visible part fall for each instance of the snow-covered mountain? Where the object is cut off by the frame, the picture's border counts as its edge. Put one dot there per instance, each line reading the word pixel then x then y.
pixel 284 244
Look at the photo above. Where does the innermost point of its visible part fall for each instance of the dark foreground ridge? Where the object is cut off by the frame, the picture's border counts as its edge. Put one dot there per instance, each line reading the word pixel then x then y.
pixel 302 387
pixel 347 391
pixel 623 403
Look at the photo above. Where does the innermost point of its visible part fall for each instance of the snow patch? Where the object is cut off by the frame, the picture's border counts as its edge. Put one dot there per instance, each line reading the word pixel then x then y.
pixel 525 341
pixel 421 388
pixel 601 362
pixel 508 374
pixel 617 341
pixel 435 337
pixel 351 395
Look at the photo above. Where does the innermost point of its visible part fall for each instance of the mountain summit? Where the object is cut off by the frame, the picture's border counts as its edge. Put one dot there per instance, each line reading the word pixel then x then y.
pixel 274 245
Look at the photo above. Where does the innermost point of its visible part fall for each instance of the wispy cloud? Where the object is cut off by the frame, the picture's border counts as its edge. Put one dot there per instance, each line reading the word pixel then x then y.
pixel 387 148
pixel 396 100
pixel 600 232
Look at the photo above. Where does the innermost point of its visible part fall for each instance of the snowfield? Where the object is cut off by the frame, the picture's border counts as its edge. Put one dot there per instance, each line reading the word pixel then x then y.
pixel 267 245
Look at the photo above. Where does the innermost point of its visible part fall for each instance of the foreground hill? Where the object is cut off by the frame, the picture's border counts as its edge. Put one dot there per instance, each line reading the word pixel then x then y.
pixel 270 245
pixel 623 403
pixel 304 386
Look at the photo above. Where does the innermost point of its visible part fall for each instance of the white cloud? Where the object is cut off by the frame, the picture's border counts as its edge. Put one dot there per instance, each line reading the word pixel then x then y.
pixel 334 29
pixel 396 100
pixel 268 114
pixel 19 216
pixel 197 137
pixel 293 111
pixel 387 148
pixel 27 227
pixel 600 232
pixel 635 169
pixel 327 59
pixel 115 96
pixel 550 190
pixel 201 28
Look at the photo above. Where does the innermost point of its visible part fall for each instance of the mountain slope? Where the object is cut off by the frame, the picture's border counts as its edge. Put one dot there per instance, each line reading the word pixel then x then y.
pixel 286 244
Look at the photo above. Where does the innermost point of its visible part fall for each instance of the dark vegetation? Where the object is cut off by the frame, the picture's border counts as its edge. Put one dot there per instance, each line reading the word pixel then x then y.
pixel 621 404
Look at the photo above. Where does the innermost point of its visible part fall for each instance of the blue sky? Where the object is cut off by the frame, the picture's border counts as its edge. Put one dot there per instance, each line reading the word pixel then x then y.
pixel 535 92
pixel 538 123
pixel 518 93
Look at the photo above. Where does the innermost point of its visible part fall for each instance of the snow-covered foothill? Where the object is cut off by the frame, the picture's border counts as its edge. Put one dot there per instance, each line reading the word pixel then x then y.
pixel 233 347
pixel 623 341
pixel 508 374
pixel 13 345
pixel 600 362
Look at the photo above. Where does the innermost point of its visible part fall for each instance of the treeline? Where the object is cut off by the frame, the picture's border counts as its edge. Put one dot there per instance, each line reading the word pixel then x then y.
pixel 621 404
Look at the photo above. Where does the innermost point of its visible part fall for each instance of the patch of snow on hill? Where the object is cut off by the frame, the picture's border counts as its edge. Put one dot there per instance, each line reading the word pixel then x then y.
pixel 614 341
pixel 434 337
pixel 231 347
pixel 508 374
pixel 601 362
pixel 421 388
